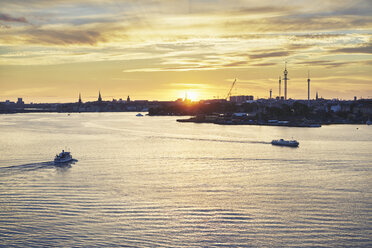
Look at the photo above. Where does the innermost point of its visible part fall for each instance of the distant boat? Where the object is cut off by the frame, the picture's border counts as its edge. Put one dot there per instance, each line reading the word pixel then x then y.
pixel 139 114
pixel 315 125
pixel 282 142
pixel 63 157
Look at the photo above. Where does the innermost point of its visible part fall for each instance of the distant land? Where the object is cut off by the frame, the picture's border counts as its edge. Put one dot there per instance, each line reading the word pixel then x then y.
pixel 239 110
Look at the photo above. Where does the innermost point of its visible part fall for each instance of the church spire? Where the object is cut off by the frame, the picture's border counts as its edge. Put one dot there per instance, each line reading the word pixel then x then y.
pixel 99 96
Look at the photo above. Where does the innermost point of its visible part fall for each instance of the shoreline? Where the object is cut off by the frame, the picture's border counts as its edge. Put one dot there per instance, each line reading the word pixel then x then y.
pixel 235 122
pixel 289 124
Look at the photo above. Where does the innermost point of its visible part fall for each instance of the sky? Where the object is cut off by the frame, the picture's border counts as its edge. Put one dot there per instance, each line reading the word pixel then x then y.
pixel 50 51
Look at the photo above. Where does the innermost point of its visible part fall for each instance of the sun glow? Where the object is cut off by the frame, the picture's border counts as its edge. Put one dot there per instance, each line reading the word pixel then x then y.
pixel 191 95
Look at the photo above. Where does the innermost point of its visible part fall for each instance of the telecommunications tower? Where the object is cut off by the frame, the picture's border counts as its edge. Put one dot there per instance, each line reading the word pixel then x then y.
pixel 285 81
pixel 308 88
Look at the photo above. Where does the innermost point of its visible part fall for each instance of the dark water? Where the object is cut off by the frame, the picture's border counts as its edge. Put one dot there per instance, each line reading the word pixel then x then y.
pixel 150 181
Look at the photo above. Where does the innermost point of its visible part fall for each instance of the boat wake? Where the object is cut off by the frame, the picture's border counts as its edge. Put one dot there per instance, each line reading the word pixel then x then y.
pixel 214 140
pixel 14 169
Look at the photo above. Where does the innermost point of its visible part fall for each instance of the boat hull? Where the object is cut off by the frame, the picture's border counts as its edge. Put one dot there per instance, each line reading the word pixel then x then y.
pixel 285 143
pixel 289 145
pixel 62 160
pixel 63 157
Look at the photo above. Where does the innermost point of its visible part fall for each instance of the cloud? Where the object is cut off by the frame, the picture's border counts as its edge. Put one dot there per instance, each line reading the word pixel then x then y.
pixel 261 34
pixel 8 18
pixel 327 63
pixel 270 55
pixel 242 64
pixel 316 36
pixel 299 23
pixel 64 37
pixel 264 10
pixel 360 49
pixel 234 64
pixel 265 64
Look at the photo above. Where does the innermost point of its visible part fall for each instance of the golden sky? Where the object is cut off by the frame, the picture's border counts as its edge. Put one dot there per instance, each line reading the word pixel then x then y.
pixel 159 49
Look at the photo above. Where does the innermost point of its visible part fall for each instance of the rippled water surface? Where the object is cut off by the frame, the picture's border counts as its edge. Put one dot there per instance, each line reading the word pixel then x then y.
pixel 150 181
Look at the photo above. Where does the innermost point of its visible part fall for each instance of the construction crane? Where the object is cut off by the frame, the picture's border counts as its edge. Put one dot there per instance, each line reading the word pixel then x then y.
pixel 232 86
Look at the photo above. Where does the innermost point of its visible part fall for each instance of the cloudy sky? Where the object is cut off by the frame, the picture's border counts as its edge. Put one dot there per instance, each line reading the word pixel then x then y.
pixel 159 49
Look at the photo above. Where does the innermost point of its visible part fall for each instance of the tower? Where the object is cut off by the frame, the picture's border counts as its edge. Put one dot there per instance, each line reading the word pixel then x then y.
pixel 316 96
pixel 308 88
pixel 280 82
pixel 128 99
pixel 271 91
pixel 80 98
pixel 285 81
pixel 99 96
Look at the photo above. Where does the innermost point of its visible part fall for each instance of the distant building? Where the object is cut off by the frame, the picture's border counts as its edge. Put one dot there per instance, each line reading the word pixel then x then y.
pixel 213 101
pixel 128 99
pixel 336 108
pixel 80 98
pixel 241 99
pixel 20 101
pixel 141 101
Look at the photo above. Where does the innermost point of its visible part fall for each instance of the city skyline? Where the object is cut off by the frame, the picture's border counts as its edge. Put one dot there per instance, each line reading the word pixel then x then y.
pixel 158 50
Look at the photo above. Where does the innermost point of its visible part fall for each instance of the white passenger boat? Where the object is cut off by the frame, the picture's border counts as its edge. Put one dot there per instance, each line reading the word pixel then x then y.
pixel 63 157
pixel 282 142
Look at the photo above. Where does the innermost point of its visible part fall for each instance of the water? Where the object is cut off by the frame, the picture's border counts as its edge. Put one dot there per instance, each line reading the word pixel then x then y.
pixel 150 181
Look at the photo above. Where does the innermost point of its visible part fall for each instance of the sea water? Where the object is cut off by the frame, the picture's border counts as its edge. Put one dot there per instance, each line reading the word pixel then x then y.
pixel 151 181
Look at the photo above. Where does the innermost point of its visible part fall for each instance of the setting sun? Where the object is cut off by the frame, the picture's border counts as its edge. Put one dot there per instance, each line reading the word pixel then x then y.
pixel 192 95
pixel 189 95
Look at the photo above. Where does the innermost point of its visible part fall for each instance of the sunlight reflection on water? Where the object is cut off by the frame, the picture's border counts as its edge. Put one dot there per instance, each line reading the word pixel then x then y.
pixel 154 182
